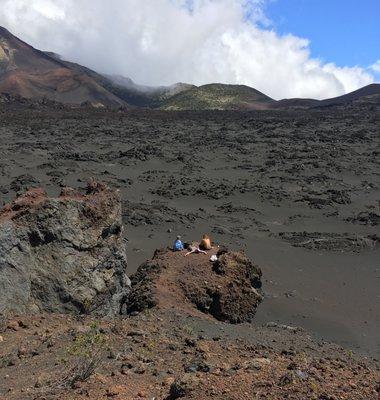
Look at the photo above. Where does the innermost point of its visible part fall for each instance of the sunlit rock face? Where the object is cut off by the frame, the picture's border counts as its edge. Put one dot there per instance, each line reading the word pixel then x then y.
pixel 63 254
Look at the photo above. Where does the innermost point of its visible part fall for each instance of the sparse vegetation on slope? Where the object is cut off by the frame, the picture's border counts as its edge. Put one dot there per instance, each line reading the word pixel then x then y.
pixel 218 96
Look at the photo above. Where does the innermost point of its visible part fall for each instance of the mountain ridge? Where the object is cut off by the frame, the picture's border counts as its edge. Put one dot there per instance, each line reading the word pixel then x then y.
pixel 35 74
pixel 31 73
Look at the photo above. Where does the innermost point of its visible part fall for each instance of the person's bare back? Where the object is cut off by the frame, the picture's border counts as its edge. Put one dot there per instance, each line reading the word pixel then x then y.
pixel 205 243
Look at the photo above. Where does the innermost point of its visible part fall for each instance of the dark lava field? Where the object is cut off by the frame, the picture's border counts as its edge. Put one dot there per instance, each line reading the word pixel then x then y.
pixel 298 191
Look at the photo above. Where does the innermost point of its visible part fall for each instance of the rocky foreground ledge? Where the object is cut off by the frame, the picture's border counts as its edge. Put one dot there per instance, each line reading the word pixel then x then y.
pixel 163 354
pixel 63 254
pixel 168 332
pixel 67 255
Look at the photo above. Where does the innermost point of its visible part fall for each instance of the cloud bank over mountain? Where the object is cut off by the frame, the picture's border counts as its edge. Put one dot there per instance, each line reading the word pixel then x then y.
pixel 158 42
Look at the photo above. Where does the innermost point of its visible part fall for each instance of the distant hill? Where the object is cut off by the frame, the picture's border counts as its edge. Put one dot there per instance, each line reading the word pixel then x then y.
pixel 368 94
pixel 30 73
pixel 364 93
pixel 240 97
pixel 33 74
pixel 218 96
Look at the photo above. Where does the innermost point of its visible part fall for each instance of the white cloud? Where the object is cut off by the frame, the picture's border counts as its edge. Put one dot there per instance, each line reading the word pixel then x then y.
pixel 49 9
pixel 165 41
pixel 376 66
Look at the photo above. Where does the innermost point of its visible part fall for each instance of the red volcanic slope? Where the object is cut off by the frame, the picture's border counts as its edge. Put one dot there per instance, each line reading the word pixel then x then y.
pixel 31 73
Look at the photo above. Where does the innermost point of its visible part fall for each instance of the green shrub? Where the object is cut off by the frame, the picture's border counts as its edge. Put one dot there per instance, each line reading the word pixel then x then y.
pixel 84 356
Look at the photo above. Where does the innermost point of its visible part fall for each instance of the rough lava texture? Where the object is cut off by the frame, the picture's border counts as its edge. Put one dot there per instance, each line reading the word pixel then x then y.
pixel 63 254
pixel 228 289
pixel 164 355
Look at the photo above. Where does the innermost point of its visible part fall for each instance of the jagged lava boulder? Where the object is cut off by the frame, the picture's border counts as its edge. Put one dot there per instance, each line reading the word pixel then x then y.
pixel 228 289
pixel 63 254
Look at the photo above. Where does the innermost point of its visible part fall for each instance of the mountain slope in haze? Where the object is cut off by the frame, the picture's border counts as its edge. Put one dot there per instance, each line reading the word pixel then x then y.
pixel 34 74
pixel 218 96
pixel 144 96
pixel 124 88
pixel 30 73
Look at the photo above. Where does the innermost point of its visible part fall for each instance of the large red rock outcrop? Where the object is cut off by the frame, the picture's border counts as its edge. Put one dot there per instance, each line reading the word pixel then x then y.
pixel 228 289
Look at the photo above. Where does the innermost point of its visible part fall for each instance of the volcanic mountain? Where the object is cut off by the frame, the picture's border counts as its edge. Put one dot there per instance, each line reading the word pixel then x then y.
pixel 34 74
pixel 31 73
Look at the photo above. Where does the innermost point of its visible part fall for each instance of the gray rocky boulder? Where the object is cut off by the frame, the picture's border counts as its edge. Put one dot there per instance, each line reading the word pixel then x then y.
pixel 63 254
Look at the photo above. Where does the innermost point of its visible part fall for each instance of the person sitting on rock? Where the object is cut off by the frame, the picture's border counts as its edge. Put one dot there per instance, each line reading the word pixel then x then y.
pixel 178 245
pixel 205 243
pixel 194 248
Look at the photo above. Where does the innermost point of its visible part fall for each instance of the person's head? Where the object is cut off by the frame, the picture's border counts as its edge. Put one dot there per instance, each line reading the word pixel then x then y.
pixel 206 237
pixel 178 237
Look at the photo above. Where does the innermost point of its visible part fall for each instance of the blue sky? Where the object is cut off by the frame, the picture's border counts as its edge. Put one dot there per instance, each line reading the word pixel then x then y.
pixel 346 32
